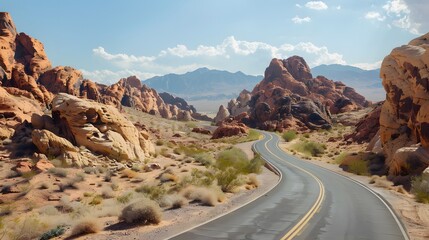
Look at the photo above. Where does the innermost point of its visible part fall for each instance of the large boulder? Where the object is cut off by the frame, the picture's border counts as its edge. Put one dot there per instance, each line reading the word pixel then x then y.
pixel 404 117
pixel 368 127
pixel 31 53
pixel 98 127
pixel 221 114
pixel 62 80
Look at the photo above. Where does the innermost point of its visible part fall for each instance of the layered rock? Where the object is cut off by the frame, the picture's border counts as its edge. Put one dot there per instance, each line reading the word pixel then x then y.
pixel 98 127
pixel 231 126
pixel 7 45
pixel 404 117
pixel 368 127
pixel 177 101
pixel 289 96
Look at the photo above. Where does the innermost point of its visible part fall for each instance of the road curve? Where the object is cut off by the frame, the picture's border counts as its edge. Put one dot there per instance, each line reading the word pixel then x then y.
pixel 309 202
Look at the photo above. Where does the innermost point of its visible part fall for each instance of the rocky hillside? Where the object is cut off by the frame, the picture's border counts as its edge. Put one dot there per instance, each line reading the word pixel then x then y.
pixel 289 96
pixel 25 70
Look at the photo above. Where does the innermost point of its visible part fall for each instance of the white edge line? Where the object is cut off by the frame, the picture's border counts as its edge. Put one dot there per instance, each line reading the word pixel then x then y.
pixel 238 207
pixel 388 206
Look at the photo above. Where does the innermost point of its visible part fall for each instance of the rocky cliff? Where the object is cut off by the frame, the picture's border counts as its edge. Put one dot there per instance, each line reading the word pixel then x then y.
pixel 289 96
pixel 404 116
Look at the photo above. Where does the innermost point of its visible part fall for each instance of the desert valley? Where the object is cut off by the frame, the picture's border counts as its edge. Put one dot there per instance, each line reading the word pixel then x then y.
pixel 82 159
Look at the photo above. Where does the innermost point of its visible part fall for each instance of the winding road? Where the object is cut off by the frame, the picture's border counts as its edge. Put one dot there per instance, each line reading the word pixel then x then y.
pixel 309 202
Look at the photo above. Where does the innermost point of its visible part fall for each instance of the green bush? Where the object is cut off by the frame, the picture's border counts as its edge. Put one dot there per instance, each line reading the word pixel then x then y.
pixel 143 212
pixel 340 158
pixel 289 135
pixel 310 148
pixel 255 165
pixel 229 179
pixel 420 188
pixel 359 167
pixel 233 157
pixel 152 192
pixel 55 232
pixel 205 159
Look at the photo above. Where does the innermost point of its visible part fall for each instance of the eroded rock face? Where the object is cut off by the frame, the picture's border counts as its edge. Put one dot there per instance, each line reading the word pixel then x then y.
pixel 404 117
pixel 14 111
pixel 368 127
pixel 7 45
pixel 230 127
pixel 62 79
pixel 177 101
pixel 98 127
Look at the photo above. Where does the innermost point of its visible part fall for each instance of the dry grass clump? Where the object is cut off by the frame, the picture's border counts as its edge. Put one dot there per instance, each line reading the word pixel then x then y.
pixel 128 173
pixel 151 191
pixel 420 188
pixel 58 172
pixel 144 211
pixel 310 148
pixel 253 181
pixel 206 196
pixel 168 177
pixel 289 135
pixel 107 193
pixel 86 226
pixel 173 201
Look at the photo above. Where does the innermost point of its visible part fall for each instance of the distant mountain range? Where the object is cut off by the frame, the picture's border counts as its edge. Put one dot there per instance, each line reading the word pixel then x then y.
pixel 349 74
pixel 204 84
pixel 365 82
pixel 216 86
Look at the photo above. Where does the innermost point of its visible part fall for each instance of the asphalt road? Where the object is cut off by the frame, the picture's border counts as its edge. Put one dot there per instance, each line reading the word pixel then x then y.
pixel 309 202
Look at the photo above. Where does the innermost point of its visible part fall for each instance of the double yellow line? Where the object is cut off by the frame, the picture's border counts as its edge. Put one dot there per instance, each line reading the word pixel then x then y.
pixel 316 206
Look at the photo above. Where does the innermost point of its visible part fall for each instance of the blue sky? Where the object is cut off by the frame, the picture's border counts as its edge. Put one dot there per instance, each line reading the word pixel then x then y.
pixel 108 40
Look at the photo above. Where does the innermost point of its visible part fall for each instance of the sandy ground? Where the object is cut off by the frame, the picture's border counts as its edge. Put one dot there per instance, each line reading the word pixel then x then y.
pixel 180 220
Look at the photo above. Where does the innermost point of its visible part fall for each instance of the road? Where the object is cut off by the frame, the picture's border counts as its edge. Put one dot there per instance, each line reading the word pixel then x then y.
pixel 309 202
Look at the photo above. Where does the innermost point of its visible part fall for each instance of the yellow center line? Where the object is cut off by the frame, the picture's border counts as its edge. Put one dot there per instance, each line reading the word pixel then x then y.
pixel 316 206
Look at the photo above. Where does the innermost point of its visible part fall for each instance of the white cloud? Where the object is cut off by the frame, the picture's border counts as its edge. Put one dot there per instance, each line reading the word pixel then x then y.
pixel 298 5
pixel 338 7
pixel 375 15
pixel 316 5
pixel 110 77
pixel 368 66
pixel 231 54
pixel 401 15
pixel 406 23
pixel 299 20
pixel 397 7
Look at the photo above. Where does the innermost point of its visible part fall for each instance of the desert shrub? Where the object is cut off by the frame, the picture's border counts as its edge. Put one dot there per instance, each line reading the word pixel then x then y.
pixel 205 159
pixel 124 198
pixel 233 157
pixel 159 142
pixel 420 188
pixel 173 201
pixel 58 172
pixel 55 232
pixel 359 167
pixel 252 180
pixel 96 200
pixel 255 165
pixel 206 196
pixel 289 135
pixel 144 211
pixel 340 158
pixel 107 193
pixel 128 173
pixel 310 148
pixel 151 191
pixel 198 178
pixel 189 151
pixel 86 226
pixel 168 177
pixel 31 228
pixel 49 210
pixel 164 152
pixel 306 135
pixel 229 179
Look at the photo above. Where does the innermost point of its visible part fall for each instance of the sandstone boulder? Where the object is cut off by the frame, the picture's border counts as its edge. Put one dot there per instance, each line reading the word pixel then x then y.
pixel 7 45
pixel 62 80
pixel 404 117
pixel 98 127
pixel 221 114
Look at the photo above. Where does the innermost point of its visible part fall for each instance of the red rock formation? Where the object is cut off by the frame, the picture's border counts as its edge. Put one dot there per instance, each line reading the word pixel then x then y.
pixel 404 117
pixel 290 96
pixel 62 79
pixel 7 45
pixel 230 127
pixel 367 127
